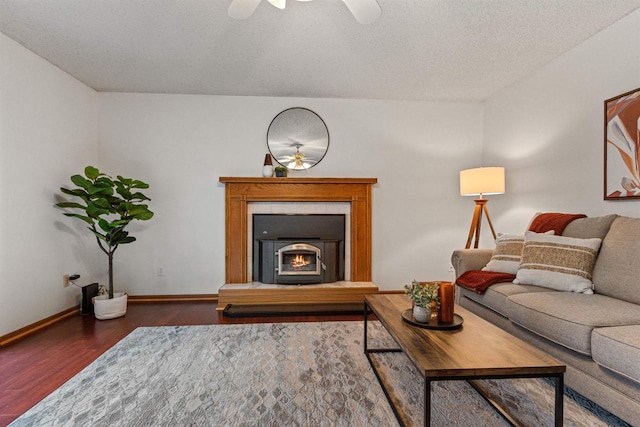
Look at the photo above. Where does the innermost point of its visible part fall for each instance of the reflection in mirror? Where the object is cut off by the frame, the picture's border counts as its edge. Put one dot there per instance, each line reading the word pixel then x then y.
pixel 298 138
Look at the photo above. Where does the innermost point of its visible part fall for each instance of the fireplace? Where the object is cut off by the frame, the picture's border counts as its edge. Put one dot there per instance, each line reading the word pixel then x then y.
pixel 298 249
pixel 242 192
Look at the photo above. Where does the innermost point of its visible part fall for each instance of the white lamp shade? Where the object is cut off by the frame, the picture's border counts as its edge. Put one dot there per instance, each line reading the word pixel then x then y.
pixel 480 181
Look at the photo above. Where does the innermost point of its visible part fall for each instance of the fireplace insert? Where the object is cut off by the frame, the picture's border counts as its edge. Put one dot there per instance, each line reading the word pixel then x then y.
pixel 298 249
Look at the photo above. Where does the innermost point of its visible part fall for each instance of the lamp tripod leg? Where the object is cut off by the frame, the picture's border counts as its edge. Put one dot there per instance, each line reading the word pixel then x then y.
pixel 476 222
pixel 486 212
pixel 475 226
pixel 478 226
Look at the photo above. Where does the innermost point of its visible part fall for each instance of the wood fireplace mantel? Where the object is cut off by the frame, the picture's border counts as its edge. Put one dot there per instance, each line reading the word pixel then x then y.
pixel 240 191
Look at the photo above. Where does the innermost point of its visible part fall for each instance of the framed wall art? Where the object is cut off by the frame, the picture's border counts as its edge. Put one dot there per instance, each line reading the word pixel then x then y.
pixel 622 146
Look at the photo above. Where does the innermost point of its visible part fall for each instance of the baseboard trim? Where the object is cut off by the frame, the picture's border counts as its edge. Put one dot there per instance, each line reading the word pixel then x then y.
pixel 35 327
pixel 173 298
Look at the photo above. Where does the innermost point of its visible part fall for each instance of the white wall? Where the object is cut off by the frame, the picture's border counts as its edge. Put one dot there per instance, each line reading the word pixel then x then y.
pixel 48 131
pixel 182 144
pixel 547 130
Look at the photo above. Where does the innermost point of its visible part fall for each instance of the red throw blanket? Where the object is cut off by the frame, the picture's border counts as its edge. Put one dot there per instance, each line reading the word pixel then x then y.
pixel 552 221
pixel 478 281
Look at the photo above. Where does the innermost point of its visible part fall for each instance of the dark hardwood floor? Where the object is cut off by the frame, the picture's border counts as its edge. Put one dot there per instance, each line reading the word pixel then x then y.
pixel 35 366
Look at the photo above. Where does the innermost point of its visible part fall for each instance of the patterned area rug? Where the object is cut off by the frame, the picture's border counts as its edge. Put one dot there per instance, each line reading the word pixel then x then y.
pixel 281 374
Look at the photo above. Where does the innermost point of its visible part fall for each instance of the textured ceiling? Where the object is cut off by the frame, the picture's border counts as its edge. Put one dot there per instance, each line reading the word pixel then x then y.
pixel 457 50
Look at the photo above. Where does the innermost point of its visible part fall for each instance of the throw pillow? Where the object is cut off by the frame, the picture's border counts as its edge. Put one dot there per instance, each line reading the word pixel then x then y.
pixel 507 254
pixel 558 262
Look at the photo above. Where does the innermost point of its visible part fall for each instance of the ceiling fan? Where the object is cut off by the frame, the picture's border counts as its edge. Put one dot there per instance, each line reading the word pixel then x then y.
pixel 296 160
pixel 365 11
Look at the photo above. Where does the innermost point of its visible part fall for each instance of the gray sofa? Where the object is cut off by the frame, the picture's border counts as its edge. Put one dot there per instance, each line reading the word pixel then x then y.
pixel 597 336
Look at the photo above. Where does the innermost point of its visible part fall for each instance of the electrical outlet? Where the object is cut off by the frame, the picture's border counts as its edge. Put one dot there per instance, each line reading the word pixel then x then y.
pixel 65 280
pixel 451 270
pixel 160 271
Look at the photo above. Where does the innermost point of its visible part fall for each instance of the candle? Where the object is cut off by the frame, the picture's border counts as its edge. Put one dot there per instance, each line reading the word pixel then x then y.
pixel 445 295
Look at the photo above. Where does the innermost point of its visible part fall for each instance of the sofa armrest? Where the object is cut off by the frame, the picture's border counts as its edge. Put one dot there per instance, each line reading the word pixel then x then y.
pixel 470 259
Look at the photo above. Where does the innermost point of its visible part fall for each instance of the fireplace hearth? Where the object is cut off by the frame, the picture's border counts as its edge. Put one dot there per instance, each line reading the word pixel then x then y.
pixel 298 249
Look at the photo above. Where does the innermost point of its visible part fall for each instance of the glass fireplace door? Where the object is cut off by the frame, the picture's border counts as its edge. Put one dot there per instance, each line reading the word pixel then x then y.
pixel 299 259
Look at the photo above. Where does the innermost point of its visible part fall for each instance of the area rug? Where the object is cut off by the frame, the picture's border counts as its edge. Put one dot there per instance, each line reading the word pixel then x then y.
pixel 280 374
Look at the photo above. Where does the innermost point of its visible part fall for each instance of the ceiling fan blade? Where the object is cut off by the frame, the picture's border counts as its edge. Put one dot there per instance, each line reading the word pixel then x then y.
pixel 280 4
pixel 242 9
pixel 365 11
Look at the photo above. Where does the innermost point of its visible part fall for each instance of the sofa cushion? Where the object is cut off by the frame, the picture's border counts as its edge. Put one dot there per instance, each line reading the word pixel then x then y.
pixel 569 318
pixel 507 254
pixel 588 228
pixel 617 269
pixel 496 297
pixel 618 349
pixel 557 262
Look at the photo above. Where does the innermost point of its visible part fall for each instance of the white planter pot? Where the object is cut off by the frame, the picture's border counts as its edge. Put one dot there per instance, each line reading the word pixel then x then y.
pixel 267 171
pixel 105 308
pixel 421 314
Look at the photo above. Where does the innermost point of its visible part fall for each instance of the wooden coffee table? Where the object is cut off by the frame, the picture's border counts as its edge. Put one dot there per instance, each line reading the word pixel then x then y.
pixel 477 350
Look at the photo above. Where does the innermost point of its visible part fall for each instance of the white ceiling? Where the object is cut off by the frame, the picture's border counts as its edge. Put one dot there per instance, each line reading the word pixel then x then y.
pixel 456 50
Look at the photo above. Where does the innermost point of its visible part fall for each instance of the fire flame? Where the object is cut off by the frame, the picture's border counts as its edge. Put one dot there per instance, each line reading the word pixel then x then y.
pixel 299 261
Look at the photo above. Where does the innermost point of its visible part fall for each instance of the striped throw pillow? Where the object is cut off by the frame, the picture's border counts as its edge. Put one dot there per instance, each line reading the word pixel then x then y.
pixel 506 256
pixel 558 262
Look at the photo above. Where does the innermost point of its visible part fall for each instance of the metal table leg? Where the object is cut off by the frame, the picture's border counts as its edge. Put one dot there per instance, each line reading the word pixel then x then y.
pixel 427 402
pixel 559 409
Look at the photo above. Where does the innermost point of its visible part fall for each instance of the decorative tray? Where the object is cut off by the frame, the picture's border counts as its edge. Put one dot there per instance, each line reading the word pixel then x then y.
pixel 407 316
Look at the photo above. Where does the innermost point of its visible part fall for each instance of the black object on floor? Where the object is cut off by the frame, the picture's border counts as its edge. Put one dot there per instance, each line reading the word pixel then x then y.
pixel 269 310
pixel 88 292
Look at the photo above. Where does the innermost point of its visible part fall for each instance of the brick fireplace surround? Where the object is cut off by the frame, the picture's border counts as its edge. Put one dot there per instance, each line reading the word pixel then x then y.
pixel 239 191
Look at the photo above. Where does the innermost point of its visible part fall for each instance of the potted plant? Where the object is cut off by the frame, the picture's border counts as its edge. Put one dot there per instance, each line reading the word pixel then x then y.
pixel 108 205
pixel 424 297
pixel 281 171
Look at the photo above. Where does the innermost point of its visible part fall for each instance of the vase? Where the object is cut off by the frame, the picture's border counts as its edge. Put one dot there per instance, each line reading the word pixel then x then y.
pixel 105 308
pixel 421 314
pixel 267 168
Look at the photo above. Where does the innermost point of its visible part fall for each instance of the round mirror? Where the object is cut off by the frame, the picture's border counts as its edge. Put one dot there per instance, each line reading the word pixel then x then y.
pixel 298 138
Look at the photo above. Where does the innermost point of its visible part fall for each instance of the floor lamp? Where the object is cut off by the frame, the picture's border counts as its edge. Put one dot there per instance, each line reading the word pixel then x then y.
pixel 480 182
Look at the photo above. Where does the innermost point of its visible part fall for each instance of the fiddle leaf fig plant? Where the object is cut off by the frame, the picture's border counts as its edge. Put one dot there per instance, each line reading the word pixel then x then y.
pixel 107 205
